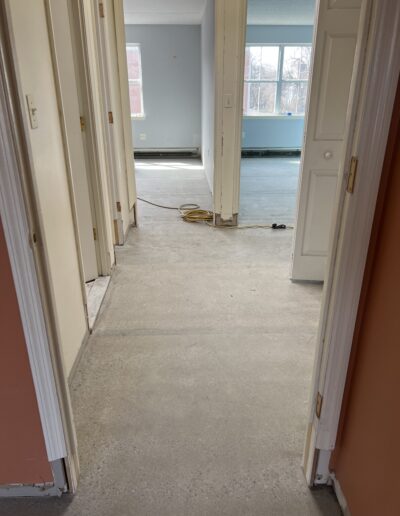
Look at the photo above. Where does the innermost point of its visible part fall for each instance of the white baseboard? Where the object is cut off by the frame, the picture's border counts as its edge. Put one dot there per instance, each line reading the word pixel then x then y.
pixel 340 496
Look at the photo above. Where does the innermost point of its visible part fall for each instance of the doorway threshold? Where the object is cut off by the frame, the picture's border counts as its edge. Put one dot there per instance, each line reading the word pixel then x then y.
pixel 95 292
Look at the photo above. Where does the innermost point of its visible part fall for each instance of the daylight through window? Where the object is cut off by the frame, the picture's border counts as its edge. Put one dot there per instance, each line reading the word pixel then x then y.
pixel 135 80
pixel 276 79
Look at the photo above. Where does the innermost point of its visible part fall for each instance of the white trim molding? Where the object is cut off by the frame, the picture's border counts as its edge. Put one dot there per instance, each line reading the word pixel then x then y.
pixel 230 35
pixel 367 139
pixel 340 496
pixel 19 242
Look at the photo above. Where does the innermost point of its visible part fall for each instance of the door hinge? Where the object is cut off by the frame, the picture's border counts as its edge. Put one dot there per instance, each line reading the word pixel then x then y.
pixel 352 174
pixel 318 405
pixel 94 233
pixel 222 145
pixel 101 10
pixel 82 122
pixel 118 206
pixel 33 239
pixel 110 117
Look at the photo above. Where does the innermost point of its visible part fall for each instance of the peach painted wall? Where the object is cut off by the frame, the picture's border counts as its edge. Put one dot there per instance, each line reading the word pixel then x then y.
pixel 23 456
pixel 367 457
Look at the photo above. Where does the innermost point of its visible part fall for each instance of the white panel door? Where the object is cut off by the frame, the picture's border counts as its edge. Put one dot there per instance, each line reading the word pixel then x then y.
pixel 334 51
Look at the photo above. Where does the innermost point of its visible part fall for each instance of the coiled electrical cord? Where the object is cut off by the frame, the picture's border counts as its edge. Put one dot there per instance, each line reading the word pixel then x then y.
pixel 193 213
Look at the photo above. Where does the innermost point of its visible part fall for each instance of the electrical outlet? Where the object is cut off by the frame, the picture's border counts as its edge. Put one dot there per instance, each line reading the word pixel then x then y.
pixel 142 137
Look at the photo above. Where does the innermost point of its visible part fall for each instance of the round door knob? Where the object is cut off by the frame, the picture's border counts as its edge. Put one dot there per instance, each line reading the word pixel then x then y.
pixel 328 154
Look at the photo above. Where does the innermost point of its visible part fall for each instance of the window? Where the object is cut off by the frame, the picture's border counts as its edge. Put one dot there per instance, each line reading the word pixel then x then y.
pixel 276 79
pixel 135 80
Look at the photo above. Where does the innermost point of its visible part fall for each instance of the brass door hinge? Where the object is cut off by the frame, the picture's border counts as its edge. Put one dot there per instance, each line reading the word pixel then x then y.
pixel 101 9
pixel 318 405
pixel 118 206
pixel 83 123
pixel 110 117
pixel 352 174
pixel 33 239
pixel 94 233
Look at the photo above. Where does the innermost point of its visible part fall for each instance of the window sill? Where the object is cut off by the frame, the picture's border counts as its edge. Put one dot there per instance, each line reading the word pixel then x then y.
pixel 274 117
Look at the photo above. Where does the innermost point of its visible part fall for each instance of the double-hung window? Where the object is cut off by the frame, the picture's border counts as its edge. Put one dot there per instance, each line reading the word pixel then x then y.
pixel 276 79
pixel 135 80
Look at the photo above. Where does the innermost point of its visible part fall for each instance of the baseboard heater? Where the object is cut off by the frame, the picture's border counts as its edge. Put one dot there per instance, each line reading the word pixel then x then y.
pixel 264 153
pixel 167 153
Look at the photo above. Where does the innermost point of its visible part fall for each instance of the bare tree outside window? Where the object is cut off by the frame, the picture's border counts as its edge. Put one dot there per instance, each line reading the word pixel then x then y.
pixel 135 80
pixel 276 79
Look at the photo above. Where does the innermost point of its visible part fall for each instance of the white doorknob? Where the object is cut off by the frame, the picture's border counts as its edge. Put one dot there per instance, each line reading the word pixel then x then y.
pixel 328 154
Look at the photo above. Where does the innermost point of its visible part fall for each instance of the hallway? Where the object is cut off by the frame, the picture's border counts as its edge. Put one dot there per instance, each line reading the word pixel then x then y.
pixel 191 397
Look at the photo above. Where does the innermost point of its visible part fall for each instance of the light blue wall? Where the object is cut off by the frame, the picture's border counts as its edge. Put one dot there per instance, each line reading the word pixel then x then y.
pixel 283 132
pixel 171 65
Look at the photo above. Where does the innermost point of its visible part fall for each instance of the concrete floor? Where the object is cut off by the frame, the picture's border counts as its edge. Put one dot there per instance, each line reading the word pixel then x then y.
pixel 268 190
pixel 191 397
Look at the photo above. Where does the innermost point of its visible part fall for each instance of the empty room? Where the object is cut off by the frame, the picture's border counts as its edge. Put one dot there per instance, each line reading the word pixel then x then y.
pixel 170 71
pixel 279 40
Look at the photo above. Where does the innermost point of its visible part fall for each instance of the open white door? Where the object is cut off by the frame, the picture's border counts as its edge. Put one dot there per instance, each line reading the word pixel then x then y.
pixel 335 39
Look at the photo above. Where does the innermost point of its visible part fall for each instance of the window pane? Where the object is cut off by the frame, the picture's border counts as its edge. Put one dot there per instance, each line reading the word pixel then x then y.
pixel 247 59
pixel 133 58
pixel 293 98
pixel 255 62
pixel 261 63
pixel 135 97
pixel 267 98
pixel 269 63
pixel 296 63
pixel 259 98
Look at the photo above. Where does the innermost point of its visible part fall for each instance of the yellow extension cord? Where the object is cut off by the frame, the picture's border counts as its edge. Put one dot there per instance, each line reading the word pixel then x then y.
pixel 193 213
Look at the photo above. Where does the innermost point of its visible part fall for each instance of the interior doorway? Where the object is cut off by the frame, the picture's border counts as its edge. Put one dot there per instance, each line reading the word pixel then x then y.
pixel 276 78
pixel 294 120
pixel 169 48
pixel 68 47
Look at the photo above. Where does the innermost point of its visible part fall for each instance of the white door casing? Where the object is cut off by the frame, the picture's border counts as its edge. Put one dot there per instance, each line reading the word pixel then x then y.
pixel 230 35
pixel 125 102
pixel 108 124
pixel 372 96
pixel 335 40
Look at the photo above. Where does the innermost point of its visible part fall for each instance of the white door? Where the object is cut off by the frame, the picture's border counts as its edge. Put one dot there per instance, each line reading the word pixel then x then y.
pixel 73 135
pixel 335 42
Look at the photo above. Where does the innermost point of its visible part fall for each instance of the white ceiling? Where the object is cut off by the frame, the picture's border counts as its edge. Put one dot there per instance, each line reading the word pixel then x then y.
pixel 164 11
pixel 260 12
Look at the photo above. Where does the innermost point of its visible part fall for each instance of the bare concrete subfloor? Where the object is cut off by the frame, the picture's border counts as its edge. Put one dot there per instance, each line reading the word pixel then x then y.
pixel 268 190
pixel 191 397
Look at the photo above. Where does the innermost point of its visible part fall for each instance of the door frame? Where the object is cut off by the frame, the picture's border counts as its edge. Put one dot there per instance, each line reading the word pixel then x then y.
pixel 119 22
pixel 57 80
pixel 366 139
pixel 353 214
pixel 230 38
pixel 100 188
pixel 23 228
pixel 107 120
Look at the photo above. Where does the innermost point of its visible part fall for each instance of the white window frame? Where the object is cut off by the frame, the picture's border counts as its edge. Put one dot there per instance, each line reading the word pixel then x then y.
pixel 279 80
pixel 142 116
